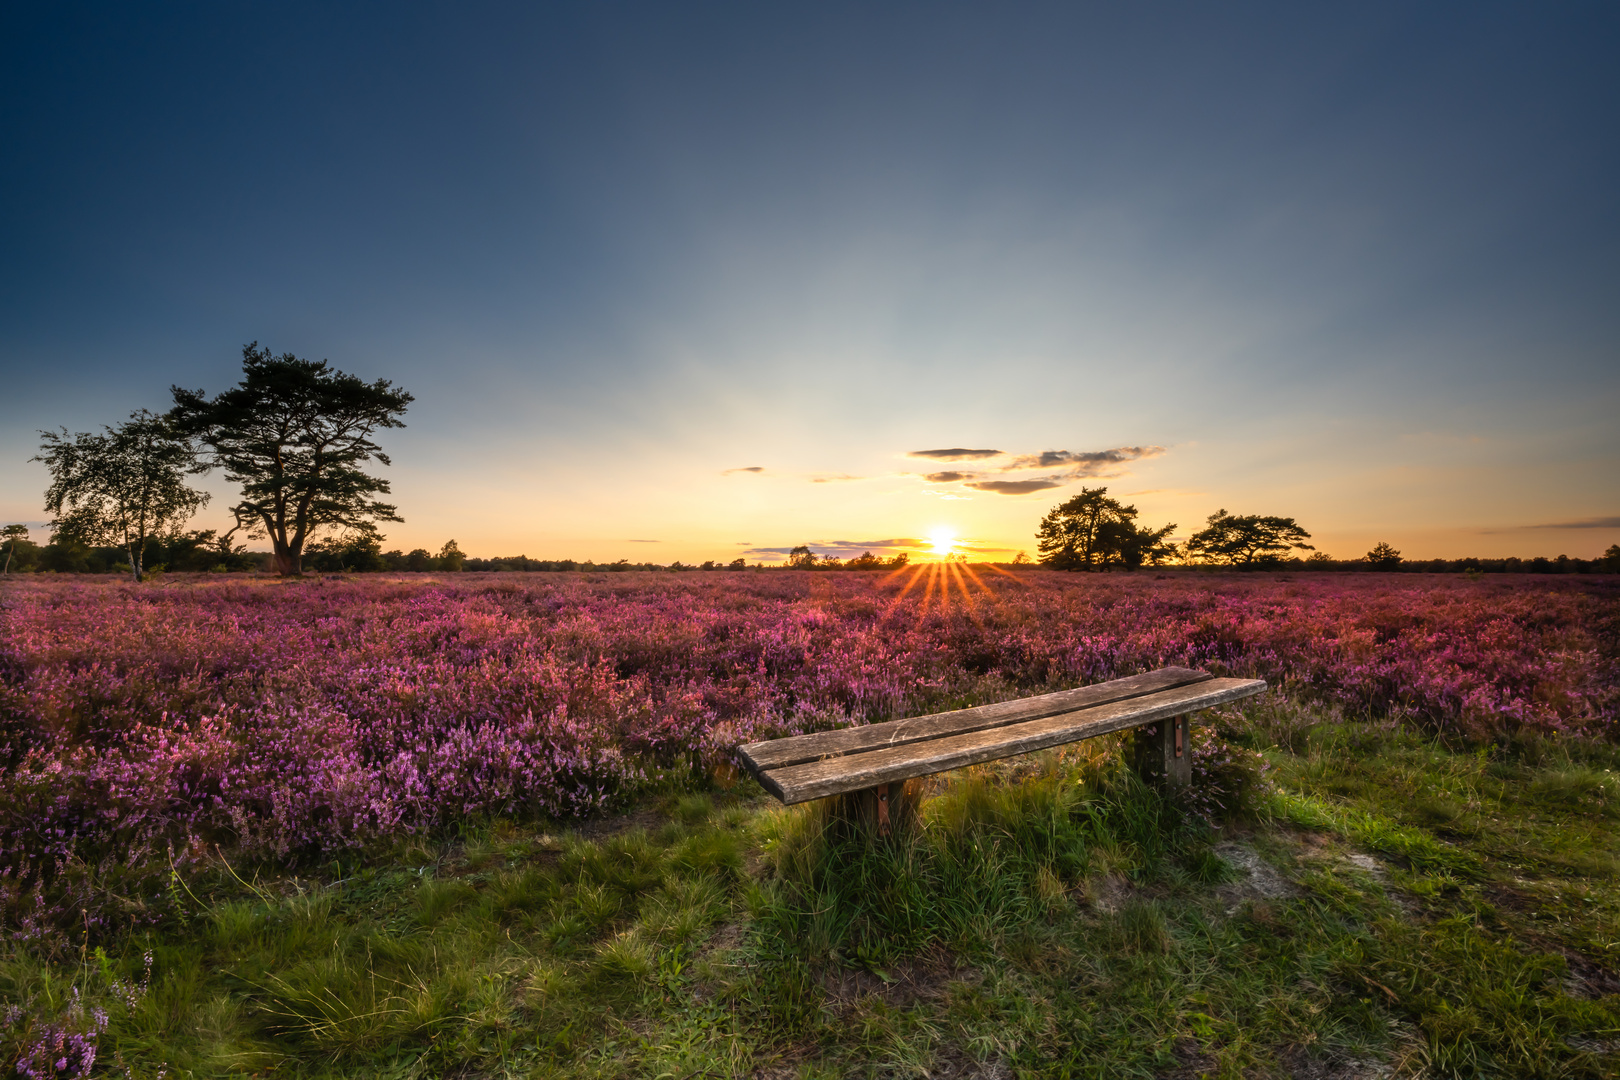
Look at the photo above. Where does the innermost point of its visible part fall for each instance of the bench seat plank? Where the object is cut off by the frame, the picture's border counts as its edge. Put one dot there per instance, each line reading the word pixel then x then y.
pixel 852 772
pixel 781 753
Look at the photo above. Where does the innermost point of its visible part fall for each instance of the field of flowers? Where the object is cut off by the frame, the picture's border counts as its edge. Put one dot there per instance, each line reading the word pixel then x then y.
pixel 296 720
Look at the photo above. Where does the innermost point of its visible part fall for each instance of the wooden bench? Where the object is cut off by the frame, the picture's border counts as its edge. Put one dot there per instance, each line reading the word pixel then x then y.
pixel 871 758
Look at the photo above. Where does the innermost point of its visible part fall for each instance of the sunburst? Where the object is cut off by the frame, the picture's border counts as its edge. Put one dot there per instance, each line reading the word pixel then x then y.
pixel 939 579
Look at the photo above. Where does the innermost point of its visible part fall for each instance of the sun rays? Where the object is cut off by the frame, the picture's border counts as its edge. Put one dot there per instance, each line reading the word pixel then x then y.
pixel 937 581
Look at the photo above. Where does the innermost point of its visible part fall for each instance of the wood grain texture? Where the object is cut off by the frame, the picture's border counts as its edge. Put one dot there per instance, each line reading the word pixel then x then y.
pixel 818 779
pixel 781 753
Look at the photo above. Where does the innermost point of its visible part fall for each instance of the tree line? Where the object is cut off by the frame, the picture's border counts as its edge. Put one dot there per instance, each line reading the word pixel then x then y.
pixel 1093 531
pixel 199 552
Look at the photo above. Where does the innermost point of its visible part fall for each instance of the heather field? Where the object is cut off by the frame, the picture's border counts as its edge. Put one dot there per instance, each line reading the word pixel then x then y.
pixel 211 784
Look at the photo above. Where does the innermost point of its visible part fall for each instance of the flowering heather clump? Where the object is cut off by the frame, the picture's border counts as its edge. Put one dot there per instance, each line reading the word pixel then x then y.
pixel 291 719
pixel 61 1049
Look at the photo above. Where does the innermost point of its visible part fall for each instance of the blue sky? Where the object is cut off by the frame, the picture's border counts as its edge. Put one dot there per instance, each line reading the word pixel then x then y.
pixel 709 275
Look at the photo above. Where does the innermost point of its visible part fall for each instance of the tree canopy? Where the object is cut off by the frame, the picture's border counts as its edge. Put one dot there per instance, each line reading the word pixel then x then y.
pixel 295 434
pixel 1092 530
pixel 1384 557
pixel 1247 539
pixel 121 488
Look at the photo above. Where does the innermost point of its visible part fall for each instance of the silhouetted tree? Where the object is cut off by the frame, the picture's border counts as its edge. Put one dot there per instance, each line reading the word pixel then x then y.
pixel 294 434
pixel 1384 557
pixel 450 558
pixel 1067 537
pixel 802 558
pixel 1129 545
pixel 1091 530
pixel 1246 540
pixel 121 488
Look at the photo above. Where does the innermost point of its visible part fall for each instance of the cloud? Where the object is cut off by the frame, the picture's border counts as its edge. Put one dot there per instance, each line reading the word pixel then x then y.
pixel 1019 487
pixel 646 541
pixel 1086 463
pixel 834 478
pixel 955 453
pixel 1585 523
pixel 745 468
pixel 1588 523
pixel 948 477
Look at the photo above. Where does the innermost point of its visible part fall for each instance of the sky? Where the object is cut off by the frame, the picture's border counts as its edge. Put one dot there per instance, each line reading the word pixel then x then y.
pixel 705 281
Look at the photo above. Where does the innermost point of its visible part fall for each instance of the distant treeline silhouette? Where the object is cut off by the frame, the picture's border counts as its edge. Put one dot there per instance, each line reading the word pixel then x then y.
pixel 202 552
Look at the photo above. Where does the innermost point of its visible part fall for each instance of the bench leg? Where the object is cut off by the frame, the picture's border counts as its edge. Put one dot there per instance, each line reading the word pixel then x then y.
pixel 1162 752
pixel 881 810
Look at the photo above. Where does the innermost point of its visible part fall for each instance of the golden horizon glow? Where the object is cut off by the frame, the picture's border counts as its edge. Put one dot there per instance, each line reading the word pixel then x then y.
pixel 943 538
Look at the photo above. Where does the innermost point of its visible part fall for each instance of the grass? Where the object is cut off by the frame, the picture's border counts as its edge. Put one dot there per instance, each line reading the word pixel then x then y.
pixel 1394 906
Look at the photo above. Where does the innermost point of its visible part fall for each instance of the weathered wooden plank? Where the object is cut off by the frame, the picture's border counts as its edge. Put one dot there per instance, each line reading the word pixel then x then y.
pixel 818 779
pixel 781 753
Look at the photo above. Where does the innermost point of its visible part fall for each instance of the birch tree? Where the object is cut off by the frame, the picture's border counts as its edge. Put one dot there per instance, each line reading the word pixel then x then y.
pixel 121 488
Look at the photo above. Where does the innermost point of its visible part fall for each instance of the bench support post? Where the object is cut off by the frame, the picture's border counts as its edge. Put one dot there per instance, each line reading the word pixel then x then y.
pixel 1162 752
pixel 882 810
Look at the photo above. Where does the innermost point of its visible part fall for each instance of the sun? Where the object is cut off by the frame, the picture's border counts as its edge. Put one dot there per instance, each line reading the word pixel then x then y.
pixel 944 541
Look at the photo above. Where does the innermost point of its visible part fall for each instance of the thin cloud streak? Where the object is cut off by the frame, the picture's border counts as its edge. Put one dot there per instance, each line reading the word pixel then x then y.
pixel 955 453
pixel 1586 523
pixel 1017 487
pixel 1087 463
